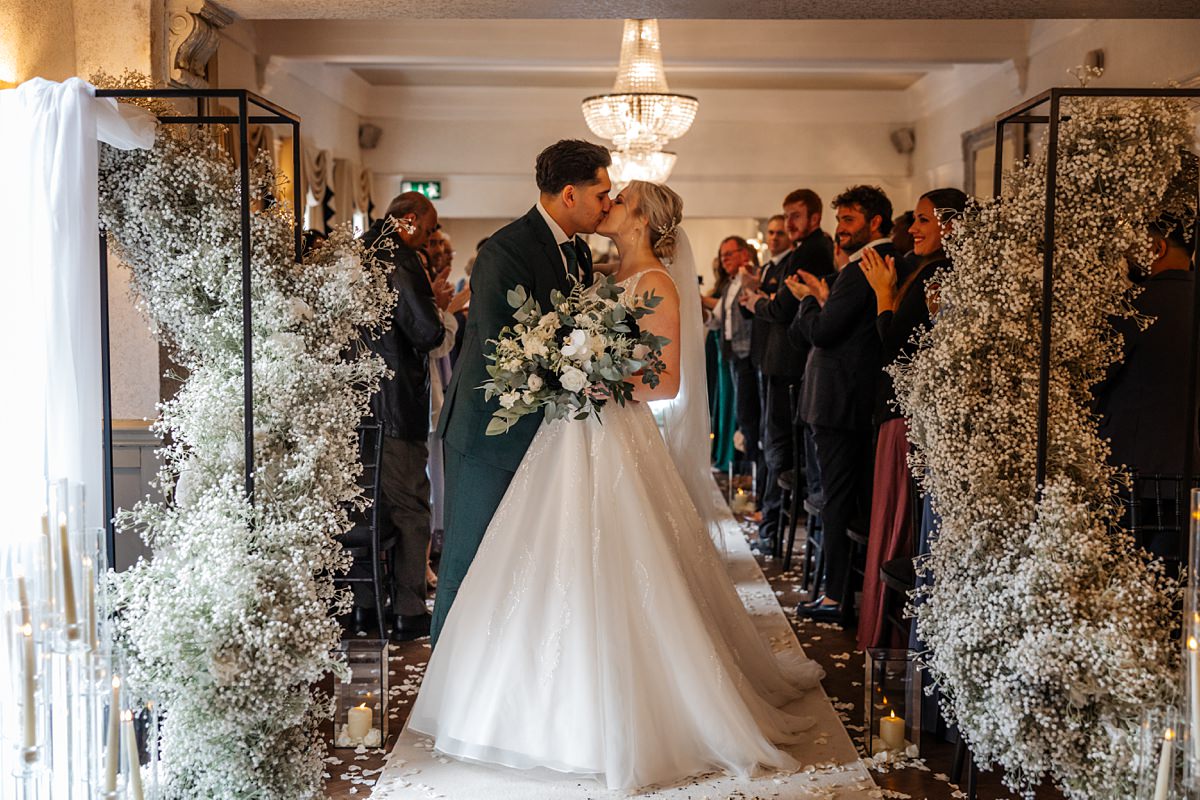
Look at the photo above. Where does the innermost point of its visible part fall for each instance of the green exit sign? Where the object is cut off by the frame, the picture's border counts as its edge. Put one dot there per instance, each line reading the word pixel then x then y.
pixel 431 189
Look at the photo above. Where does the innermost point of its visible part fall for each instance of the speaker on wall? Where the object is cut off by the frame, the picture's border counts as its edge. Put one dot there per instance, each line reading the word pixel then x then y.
pixel 368 136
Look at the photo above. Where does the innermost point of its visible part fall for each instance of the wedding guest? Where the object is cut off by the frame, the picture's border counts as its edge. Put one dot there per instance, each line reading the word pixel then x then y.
pixel 782 363
pixel 402 404
pixel 902 240
pixel 901 308
pixel 839 385
pixel 720 378
pixel 740 263
pixel 1142 402
pixel 441 257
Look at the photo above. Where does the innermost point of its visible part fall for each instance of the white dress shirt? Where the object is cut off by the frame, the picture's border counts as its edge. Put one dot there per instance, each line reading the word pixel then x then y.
pixel 560 237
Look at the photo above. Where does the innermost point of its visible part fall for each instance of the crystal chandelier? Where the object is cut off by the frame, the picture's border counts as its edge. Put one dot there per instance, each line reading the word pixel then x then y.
pixel 641 114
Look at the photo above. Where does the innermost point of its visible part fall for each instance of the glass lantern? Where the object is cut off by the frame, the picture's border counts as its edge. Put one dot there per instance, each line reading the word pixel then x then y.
pixel 1162 748
pixel 361 703
pixel 892 701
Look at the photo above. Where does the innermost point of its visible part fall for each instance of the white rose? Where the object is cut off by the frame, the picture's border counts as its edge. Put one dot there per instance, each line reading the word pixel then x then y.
pixel 573 379
pixel 640 351
pixel 534 382
pixel 509 399
pixel 533 346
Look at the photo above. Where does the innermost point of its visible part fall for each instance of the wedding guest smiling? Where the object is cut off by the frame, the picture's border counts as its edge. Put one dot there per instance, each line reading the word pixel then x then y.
pixel 901 309
pixel 839 383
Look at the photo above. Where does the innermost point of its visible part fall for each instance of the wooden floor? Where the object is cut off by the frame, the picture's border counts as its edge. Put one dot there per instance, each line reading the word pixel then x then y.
pixel 831 646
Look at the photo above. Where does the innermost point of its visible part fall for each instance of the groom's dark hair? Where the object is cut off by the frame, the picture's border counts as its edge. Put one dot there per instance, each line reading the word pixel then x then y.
pixel 569 162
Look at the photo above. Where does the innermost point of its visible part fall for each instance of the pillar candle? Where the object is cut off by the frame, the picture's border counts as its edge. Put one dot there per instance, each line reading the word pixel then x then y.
pixel 358 722
pixel 113 745
pixel 1166 766
pixel 69 612
pixel 47 564
pixel 133 764
pixel 891 731
pixel 29 668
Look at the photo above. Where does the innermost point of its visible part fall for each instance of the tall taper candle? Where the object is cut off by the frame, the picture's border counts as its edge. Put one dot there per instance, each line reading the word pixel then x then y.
pixel 132 763
pixel 29 706
pixel 23 597
pixel 69 612
pixel 113 751
pixel 89 588
pixel 1193 690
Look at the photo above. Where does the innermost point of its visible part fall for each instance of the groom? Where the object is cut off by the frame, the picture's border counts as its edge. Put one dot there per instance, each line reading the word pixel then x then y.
pixel 539 251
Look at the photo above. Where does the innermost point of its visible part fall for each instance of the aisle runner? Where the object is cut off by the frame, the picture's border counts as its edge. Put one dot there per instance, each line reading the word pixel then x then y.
pixel 832 767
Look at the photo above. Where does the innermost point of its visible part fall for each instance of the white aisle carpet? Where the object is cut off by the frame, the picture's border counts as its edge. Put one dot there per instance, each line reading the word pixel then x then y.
pixel 832 768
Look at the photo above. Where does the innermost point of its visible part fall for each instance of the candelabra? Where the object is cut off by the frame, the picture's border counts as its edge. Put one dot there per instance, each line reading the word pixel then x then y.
pixel 70 733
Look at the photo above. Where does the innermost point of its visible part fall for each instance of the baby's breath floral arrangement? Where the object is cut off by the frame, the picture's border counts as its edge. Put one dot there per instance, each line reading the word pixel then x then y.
pixel 574 358
pixel 232 622
pixel 1048 631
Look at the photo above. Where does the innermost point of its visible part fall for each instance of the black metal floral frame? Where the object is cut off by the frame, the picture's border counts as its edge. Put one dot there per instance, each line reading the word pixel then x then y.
pixel 267 113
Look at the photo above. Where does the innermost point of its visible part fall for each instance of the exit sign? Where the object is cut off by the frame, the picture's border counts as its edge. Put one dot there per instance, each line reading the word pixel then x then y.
pixel 431 189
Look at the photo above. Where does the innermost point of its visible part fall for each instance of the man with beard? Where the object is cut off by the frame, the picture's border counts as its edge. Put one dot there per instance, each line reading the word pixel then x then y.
pixel 839 384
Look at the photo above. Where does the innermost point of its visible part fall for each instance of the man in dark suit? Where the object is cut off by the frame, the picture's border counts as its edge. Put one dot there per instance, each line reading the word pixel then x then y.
pixel 541 252
pixel 402 404
pixel 839 385
pixel 1143 402
pixel 781 363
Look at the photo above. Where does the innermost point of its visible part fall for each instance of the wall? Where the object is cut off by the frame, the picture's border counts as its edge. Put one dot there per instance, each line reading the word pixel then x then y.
pixel 746 151
pixel 946 105
pixel 329 103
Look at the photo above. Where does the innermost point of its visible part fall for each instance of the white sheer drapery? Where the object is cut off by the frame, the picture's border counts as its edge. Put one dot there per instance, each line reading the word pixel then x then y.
pixel 50 307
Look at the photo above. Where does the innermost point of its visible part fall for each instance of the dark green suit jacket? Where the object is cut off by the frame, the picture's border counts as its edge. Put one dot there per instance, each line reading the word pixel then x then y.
pixel 522 253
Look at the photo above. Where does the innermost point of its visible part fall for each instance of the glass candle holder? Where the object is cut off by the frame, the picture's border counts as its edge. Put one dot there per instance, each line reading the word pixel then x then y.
pixel 1162 748
pixel 361 701
pixel 892 702
pixel 1190 691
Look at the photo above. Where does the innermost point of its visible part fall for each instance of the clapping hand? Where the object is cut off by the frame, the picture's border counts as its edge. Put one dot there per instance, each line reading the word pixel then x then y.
pixel 796 286
pixel 750 298
pixel 750 281
pixel 443 292
pixel 816 287
pixel 460 300
pixel 880 272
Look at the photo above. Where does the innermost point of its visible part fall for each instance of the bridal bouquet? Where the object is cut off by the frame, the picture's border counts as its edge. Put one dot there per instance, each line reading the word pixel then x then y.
pixel 573 358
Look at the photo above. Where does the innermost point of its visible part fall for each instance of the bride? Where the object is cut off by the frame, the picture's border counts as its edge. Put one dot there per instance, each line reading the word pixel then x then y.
pixel 597 633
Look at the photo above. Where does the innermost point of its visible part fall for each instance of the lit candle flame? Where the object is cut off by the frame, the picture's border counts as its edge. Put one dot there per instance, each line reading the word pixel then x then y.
pixel 1168 734
pixel 116 681
pixel 364 705
pixel 27 629
pixel 127 715
pixel 1192 644
pixel 892 715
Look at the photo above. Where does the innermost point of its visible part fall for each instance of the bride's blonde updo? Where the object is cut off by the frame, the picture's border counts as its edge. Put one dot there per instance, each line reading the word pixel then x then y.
pixel 662 209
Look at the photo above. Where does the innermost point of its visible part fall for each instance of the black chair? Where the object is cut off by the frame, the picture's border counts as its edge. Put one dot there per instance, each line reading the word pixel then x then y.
pixel 364 542
pixel 858 533
pixel 1157 513
pixel 899 575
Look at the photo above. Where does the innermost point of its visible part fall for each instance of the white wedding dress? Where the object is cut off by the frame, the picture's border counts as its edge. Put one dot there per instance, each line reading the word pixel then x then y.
pixel 597 632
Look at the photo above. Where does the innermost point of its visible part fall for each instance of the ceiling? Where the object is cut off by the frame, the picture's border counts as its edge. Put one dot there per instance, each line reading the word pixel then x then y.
pixel 699 54
pixel 711 9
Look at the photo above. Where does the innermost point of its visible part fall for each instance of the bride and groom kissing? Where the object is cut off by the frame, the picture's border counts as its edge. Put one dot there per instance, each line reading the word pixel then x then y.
pixel 584 621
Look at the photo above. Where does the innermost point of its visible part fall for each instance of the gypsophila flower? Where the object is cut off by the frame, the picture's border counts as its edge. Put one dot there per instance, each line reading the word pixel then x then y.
pixel 232 623
pixel 1048 630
